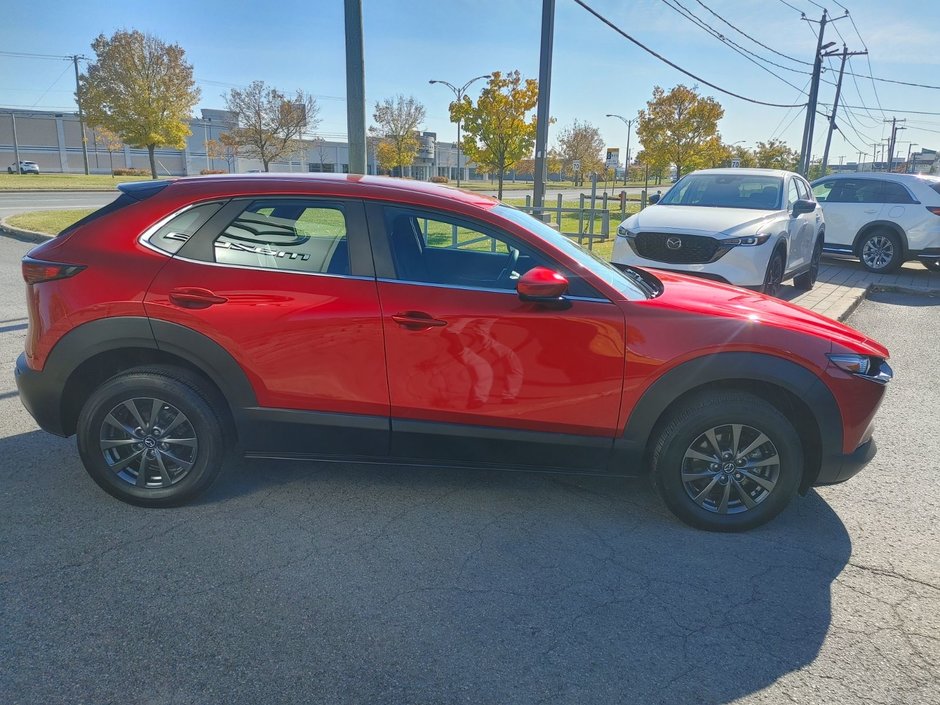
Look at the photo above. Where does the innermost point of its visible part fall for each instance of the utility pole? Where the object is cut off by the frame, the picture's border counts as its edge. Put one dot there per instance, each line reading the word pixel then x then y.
pixel 910 167
pixel 355 88
pixel 894 134
pixel 16 144
pixel 542 112
pixel 858 162
pixel 835 104
pixel 81 115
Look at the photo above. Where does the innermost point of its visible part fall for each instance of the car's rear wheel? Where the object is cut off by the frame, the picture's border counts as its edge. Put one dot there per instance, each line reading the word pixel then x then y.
pixel 807 280
pixel 151 436
pixel 727 461
pixel 773 278
pixel 880 251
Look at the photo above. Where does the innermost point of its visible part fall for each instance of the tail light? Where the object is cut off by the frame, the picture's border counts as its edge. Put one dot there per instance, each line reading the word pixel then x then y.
pixel 934 209
pixel 36 271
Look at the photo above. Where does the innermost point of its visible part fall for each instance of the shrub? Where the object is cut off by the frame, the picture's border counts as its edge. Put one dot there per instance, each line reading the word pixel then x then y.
pixel 130 172
pixel 439 180
pixel 204 172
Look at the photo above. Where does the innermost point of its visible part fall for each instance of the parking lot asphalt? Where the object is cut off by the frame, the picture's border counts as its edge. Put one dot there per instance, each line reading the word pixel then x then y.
pixel 319 583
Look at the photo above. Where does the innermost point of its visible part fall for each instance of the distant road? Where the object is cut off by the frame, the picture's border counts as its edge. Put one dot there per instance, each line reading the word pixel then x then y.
pixel 16 202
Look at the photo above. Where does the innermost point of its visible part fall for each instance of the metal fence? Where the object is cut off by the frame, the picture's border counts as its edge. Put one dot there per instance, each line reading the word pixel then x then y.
pixel 590 209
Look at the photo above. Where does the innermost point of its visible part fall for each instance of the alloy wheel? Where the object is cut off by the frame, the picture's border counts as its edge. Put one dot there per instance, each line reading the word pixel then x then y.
pixel 148 443
pixel 878 251
pixel 730 469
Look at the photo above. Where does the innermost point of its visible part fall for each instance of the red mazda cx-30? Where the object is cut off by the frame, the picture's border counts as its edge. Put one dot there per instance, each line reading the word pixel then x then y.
pixel 360 318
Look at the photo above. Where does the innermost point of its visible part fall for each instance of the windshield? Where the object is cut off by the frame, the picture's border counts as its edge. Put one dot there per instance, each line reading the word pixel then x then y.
pixel 591 262
pixel 726 191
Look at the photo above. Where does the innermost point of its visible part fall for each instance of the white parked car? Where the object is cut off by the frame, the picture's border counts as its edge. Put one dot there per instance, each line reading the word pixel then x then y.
pixel 883 219
pixel 25 168
pixel 747 227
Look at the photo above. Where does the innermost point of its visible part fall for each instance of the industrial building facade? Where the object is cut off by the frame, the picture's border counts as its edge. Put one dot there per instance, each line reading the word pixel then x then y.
pixel 53 141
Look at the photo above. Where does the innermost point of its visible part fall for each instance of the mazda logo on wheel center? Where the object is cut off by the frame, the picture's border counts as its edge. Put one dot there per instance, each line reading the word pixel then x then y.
pixel 673 243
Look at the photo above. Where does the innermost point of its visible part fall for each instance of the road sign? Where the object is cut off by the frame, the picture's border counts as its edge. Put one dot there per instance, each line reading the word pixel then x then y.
pixel 613 157
pixel 735 163
pixel 576 164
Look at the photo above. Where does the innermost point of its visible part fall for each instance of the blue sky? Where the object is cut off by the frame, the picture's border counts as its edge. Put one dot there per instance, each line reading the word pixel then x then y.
pixel 299 44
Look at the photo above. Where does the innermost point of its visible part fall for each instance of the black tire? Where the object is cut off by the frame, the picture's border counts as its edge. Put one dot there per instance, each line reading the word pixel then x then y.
pixel 179 460
pixel 807 280
pixel 676 473
pixel 773 277
pixel 880 251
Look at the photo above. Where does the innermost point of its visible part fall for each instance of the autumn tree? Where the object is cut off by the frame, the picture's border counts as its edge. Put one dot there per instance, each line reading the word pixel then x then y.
pixel 746 158
pixel 396 125
pixel 581 141
pixel 497 131
pixel 226 147
pixel 776 154
pixel 269 123
pixel 141 89
pixel 681 127
pixel 111 143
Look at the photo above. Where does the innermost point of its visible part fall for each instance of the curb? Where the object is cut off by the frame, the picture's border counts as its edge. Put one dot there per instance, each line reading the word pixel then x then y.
pixel 23 234
pixel 32 191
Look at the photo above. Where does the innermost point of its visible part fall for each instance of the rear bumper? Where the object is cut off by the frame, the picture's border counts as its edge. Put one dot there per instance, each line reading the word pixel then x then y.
pixel 40 396
pixel 839 468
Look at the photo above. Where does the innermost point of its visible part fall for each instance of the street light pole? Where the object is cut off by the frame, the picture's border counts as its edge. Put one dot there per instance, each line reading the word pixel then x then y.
pixel 626 162
pixel 458 95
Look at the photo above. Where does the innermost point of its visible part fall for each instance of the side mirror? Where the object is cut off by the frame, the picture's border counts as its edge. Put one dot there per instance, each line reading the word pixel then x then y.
pixel 803 206
pixel 654 199
pixel 543 286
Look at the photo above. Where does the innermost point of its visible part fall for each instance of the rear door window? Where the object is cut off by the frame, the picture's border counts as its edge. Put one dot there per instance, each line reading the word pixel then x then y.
pixel 296 235
pixel 893 192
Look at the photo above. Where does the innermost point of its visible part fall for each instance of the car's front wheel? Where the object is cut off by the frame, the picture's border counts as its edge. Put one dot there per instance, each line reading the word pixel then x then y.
pixel 727 461
pixel 151 436
pixel 807 280
pixel 773 277
pixel 880 251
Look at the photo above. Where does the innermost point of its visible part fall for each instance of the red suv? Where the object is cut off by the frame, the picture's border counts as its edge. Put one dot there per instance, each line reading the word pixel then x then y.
pixel 368 319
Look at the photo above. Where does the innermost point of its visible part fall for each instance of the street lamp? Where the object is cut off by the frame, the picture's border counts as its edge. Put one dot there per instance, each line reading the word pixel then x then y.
pixel 459 94
pixel 626 163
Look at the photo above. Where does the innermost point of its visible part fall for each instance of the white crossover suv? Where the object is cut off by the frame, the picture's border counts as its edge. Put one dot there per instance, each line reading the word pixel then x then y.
pixel 747 227
pixel 883 219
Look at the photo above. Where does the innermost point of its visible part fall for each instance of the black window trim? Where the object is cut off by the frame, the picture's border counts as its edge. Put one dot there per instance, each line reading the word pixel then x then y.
pixel 385 263
pixel 199 248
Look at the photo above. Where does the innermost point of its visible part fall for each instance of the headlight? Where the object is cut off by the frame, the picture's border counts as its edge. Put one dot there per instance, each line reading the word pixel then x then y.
pixel 622 231
pixel 749 241
pixel 874 369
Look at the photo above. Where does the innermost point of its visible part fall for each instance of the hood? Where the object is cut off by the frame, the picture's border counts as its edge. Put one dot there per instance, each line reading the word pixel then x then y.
pixel 699 220
pixel 704 297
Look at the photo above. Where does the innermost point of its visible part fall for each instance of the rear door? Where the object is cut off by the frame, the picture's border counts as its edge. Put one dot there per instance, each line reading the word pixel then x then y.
pixel 476 374
pixel 287 287
pixel 848 204
pixel 800 230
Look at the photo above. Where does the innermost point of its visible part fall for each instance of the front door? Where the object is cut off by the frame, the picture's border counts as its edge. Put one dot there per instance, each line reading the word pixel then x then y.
pixel 476 374
pixel 286 285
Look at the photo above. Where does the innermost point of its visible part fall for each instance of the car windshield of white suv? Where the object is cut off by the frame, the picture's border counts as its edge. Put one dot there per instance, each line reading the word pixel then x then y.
pixel 726 191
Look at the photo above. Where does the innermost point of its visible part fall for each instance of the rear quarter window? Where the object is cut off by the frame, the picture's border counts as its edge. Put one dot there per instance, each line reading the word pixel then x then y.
pixel 174 233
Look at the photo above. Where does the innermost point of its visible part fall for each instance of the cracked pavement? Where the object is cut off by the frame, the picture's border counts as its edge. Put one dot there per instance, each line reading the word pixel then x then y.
pixel 336 583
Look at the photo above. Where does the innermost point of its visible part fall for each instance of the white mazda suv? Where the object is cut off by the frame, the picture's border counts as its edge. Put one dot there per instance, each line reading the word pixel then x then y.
pixel 748 227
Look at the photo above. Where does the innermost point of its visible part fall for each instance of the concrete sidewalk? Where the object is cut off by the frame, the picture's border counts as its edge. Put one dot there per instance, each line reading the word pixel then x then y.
pixel 843 283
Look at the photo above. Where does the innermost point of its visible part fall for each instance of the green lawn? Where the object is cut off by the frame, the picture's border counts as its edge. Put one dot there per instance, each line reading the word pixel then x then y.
pixel 62 182
pixel 487 185
pixel 50 222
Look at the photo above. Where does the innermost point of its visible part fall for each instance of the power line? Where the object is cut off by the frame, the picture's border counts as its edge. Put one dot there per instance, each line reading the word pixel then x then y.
pixel 892 110
pixel 686 13
pixel 28 55
pixel 793 7
pixel 756 41
pixel 676 66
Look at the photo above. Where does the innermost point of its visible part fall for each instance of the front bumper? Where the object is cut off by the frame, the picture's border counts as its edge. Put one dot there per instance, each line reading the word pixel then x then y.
pixel 40 395
pixel 740 266
pixel 839 468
